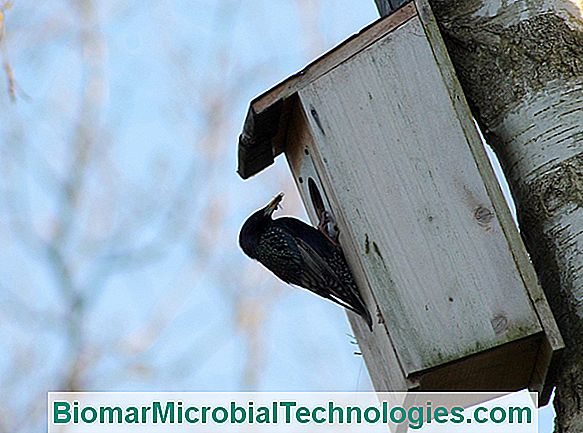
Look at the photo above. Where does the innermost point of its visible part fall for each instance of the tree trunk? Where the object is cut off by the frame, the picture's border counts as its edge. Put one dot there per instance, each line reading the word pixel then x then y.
pixel 520 64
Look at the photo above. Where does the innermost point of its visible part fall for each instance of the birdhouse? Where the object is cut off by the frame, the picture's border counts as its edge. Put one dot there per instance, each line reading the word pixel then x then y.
pixel 378 133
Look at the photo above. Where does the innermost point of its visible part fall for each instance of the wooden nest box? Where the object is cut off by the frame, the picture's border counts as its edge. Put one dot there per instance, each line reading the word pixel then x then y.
pixel 379 133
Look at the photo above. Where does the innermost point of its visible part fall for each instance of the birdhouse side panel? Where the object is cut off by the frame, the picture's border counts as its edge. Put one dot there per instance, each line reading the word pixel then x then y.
pixel 376 346
pixel 406 190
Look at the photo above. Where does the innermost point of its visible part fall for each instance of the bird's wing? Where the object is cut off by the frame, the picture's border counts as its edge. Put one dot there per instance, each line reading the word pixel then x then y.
pixel 315 272
pixel 300 230
pixel 320 278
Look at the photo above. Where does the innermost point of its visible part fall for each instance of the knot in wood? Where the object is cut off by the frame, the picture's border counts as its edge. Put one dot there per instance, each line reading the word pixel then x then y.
pixel 483 215
pixel 499 324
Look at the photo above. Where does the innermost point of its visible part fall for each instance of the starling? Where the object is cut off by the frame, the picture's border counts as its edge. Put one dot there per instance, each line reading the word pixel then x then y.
pixel 302 255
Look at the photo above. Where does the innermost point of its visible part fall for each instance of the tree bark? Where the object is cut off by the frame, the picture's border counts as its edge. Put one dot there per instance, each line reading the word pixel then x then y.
pixel 520 64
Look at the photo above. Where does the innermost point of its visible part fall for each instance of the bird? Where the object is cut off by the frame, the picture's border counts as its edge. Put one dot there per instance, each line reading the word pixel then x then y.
pixel 302 255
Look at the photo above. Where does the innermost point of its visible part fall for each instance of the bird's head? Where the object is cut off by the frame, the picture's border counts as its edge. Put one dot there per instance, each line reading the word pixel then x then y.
pixel 256 224
pixel 272 205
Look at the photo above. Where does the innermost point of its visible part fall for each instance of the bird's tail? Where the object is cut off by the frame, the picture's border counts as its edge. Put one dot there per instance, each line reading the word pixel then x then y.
pixel 359 307
pixel 366 316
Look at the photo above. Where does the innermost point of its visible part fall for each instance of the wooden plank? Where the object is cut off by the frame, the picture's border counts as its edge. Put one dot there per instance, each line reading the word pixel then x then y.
pixel 412 208
pixel 550 352
pixel 493 370
pixel 261 139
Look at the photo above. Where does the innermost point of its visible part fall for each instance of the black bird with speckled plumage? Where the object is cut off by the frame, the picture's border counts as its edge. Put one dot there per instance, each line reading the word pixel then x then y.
pixel 301 255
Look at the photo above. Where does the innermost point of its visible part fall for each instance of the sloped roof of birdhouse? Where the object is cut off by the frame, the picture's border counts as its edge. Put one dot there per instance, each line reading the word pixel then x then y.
pixel 265 128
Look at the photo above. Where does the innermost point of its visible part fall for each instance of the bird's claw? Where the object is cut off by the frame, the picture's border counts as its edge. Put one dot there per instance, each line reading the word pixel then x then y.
pixel 324 220
pixel 323 227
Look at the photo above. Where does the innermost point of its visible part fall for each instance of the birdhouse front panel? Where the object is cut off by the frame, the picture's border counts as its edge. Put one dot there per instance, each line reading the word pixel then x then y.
pixel 408 188
pixel 378 134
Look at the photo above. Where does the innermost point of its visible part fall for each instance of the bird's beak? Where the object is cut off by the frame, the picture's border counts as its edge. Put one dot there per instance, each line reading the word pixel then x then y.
pixel 273 204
